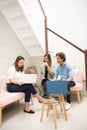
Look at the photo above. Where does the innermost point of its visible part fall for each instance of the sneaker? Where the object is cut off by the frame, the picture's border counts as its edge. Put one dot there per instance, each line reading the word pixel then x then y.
pixel 67 106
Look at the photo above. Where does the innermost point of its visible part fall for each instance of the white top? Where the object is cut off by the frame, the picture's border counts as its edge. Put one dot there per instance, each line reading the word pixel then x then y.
pixel 13 74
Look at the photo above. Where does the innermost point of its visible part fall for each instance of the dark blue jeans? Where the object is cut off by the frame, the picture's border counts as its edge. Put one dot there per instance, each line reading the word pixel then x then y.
pixel 28 89
pixel 70 84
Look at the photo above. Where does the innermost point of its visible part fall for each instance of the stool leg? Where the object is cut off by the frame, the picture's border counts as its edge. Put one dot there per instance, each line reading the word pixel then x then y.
pixel 63 103
pixel 81 95
pixel 42 112
pixel 78 97
pixel 48 108
pixel 60 103
pixel 57 112
pixel 0 116
pixel 54 114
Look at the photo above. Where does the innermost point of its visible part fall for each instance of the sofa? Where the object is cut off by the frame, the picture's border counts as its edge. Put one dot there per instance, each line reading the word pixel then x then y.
pixel 6 97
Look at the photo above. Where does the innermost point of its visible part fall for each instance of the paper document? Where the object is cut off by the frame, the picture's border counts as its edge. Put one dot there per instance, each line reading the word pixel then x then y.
pixel 29 78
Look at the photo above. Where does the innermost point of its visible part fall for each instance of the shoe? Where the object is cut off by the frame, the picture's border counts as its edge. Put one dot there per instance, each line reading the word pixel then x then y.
pixel 30 111
pixel 67 106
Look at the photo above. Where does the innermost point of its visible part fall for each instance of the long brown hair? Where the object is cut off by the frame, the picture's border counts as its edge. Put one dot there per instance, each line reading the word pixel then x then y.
pixel 49 59
pixel 16 63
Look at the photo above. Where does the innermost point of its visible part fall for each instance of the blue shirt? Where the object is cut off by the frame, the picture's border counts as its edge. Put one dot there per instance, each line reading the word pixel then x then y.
pixel 64 71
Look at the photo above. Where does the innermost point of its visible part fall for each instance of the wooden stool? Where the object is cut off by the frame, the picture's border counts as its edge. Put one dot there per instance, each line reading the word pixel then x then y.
pixel 60 88
pixel 61 103
pixel 55 111
pixel 78 75
pixel 78 90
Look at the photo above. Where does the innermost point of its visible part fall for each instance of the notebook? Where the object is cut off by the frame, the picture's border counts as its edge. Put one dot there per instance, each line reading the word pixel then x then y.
pixel 29 78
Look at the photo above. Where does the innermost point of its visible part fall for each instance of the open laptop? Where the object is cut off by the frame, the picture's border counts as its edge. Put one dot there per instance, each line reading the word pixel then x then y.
pixel 29 78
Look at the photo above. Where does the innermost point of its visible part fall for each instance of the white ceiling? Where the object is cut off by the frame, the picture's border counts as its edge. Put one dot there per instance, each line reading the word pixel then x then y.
pixel 14 14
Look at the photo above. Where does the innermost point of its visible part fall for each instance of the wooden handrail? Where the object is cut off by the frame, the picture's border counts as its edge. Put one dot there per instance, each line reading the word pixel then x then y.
pixel 42 8
pixel 66 40
pixel 45 27
pixel 46 35
pixel 46 41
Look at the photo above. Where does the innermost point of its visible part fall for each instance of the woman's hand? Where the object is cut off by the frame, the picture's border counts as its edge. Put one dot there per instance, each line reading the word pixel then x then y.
pixel 15 82
pixel 20 83
pixel 42 76
pixel 46 64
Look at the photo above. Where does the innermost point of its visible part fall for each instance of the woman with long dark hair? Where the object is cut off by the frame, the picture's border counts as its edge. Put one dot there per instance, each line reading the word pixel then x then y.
pixel 15 85
pixel 46 72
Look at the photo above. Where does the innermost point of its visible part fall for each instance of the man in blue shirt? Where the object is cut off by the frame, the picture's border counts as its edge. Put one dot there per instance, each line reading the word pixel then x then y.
pixel 64 72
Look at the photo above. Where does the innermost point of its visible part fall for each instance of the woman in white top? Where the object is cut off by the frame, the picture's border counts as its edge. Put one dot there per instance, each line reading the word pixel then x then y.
pixel 15 85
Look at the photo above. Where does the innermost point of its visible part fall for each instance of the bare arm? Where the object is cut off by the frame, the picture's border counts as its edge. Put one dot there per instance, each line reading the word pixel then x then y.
pixel 15 82
pixel 69 79
pixel 49 68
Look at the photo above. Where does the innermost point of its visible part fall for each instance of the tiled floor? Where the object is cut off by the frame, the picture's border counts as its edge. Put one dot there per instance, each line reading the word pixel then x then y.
pixel 15 119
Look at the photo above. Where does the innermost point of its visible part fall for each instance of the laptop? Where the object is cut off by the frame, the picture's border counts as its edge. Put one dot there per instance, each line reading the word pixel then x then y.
pixel 29 78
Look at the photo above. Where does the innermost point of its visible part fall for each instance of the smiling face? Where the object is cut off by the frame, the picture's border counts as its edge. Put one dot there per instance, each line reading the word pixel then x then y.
pixel 46 59
pixel 59 60
pixel 60 57
pixel 20 63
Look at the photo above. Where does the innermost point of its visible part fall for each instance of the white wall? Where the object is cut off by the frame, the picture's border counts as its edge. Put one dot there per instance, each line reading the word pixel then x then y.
pixel 10 47
pixel 37 61
pixel 68 19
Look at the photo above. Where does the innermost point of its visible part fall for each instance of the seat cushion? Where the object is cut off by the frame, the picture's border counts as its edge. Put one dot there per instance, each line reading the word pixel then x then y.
pixel 77 87
pixel 7 98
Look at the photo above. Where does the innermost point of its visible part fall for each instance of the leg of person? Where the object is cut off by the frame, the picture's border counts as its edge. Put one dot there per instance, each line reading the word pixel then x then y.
pixel 44 87
pixel 41 99
pixel 68 103
pixel 68 97
pixel 27 100
pixel 23 88
pixel 27 89
pixel 41 90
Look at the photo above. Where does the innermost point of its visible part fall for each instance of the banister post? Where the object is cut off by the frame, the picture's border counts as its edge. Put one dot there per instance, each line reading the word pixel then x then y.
pixel 86 67
pixel 46 35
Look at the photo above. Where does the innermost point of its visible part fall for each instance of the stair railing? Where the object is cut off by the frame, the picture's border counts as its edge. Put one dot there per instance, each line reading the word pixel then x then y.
pixel 46 41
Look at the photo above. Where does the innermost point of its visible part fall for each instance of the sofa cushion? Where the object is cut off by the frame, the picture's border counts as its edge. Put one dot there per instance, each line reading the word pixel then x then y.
pixel 7 98
pixel 77 87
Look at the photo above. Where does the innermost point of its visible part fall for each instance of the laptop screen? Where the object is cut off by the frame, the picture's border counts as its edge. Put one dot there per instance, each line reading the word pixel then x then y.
pixel 29 78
